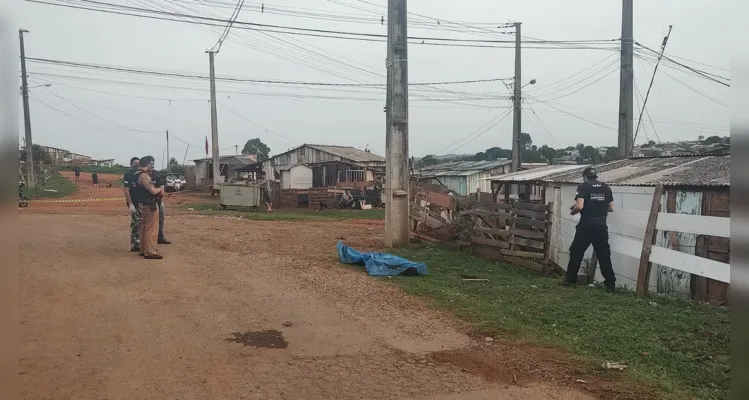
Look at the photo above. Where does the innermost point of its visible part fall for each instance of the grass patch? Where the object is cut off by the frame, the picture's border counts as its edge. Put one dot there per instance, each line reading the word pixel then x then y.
pixel 679 346
pixel 299 214
pixel 63 187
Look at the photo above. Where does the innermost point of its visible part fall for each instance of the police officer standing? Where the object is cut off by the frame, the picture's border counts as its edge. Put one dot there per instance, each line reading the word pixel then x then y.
pixel 132 203
pixel 146 194
pixel 593 202
pixel 159 182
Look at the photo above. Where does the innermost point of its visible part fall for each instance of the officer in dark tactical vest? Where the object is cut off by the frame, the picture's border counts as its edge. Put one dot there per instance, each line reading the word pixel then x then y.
pixel 132 204
pixel 593 202
pixel 160 181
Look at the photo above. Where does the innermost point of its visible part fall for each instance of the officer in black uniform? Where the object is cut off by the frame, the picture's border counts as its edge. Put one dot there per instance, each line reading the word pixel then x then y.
pixel 132 204
pixel 593 201
pixel 160 181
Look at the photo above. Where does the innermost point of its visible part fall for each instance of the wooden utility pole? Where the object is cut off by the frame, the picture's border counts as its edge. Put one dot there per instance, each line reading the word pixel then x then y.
pixel 30 173
pixel 626 82
pixel 396 166
pixel 214 123
pixel 516 103
pixel 652 79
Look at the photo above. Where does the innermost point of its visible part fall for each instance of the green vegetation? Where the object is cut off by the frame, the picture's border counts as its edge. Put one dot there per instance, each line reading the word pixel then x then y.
pixel 61 186
pixel 676 345
pixel 296 214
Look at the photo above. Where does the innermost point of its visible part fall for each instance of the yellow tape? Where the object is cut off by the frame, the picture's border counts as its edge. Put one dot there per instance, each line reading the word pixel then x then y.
pixel 88 200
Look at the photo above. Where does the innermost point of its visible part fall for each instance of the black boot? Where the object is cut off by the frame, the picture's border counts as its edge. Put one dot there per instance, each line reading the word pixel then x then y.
pixel 163 240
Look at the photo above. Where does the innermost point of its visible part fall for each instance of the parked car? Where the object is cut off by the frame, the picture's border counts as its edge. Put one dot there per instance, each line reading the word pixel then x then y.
pixel 184 181
pixel 173 183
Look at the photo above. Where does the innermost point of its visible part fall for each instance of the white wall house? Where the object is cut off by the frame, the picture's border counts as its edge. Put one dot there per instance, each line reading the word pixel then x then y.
pixel 695 185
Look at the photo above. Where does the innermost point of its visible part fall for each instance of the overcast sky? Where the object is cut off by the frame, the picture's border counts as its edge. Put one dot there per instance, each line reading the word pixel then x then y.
pixel 115 115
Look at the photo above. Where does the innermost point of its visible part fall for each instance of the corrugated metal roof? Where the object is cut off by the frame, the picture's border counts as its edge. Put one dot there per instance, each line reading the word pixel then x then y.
pixel 699 170
pixel 349 153
pixel 460 168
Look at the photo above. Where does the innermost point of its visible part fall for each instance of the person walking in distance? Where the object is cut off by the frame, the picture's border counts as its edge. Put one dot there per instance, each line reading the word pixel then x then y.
pixel 593 202
pixel 264 183
pixel 149 209
pixel 132 203
pixel 77 171
pixel 95 179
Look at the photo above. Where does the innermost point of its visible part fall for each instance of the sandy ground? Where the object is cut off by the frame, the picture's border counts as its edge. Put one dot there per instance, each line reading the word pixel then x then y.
pixel 242 310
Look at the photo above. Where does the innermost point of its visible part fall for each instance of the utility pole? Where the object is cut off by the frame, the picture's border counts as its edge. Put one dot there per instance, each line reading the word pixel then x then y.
pixel 652 79
pixel 214 123
pixel 626 82
pixel 396 167
pixel 167 151
pixel 236 150
pixel 516 104
pixel 31 174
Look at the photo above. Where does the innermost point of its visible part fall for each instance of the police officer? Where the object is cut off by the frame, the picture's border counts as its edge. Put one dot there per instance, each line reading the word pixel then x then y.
pixel 132 204
pixel 146 194
pixel 593 202
pixel 159 181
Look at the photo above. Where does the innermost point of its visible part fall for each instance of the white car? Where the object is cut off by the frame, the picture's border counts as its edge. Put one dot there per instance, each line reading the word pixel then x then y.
pixel 173 183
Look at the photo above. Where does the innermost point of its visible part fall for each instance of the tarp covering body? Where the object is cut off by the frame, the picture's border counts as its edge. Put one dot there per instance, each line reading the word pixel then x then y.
pixel 379 264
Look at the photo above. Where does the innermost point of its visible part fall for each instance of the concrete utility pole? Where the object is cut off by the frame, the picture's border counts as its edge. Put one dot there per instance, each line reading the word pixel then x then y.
pixel 652 79
pixel 626 82
pixel 214 123
pixel 236 149
pixel 396 166
pixel 167 151
pixel 516 103
pixel 30 173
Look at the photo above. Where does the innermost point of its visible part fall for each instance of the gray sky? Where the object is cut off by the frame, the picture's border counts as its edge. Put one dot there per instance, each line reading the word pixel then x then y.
pixel 700 32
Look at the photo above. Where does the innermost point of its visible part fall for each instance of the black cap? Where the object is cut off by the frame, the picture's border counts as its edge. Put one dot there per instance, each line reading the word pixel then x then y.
pixel 590 173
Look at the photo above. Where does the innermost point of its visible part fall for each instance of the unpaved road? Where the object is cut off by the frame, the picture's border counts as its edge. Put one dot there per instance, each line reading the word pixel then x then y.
pixel 239 310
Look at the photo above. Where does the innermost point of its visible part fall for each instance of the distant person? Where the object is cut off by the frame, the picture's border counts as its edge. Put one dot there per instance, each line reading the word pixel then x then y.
pixel 146 194
pixel 77 171
pixel 347 200
pixel 131 201
pixel 264 183
pixel 95 179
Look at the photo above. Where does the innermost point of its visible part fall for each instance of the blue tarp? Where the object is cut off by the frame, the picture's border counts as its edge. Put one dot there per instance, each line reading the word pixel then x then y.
pixel 379 264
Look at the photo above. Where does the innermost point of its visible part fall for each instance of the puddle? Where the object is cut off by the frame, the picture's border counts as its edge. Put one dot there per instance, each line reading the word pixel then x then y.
pixel 271 339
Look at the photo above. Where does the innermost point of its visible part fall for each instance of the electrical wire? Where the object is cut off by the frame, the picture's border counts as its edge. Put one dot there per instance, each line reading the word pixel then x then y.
pixel 704 74
pixel 258 125
pixel 542 123
pixel 225 34
pixel 573 115
pixel 473 135
pixel 586 86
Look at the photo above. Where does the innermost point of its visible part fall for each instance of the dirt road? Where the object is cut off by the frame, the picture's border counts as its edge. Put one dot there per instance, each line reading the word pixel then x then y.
pixel 237 310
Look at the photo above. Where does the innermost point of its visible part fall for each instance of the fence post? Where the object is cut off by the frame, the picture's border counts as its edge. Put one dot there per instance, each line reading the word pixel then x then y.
pixel 547 237
pixel 643 275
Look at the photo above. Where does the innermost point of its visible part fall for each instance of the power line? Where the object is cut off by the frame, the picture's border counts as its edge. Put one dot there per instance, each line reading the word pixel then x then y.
pixel 704 74
pixel 479 131
pixel 573 115
pixel 586 86
pixel 232 19
pixel 542 123
pixel 249 80
pixel 300 31
pixel 693 89
pixel 258 125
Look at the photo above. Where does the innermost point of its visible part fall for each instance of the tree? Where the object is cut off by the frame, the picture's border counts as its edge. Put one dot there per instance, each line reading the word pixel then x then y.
pixel 525 141
pixel 495 153
pixel 589 154
pixel 580 147
pixel 612 153
pixel 40 156
pixel 428 160
pixel 701 138
pixel 712 140
pixel 256 147
pixel 547 153
pixel 174 167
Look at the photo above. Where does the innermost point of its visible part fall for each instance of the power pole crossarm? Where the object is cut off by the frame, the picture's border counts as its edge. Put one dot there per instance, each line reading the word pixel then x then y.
pixel 396 166
pixel 626 82
pixel 30 173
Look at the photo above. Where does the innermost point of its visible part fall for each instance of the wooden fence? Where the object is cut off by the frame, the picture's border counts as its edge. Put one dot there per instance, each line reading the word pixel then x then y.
pixel 516 232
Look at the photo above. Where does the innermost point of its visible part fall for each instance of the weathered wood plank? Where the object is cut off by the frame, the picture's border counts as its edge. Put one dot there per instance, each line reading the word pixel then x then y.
pixel 527 233
pixel 492 231
pixel 541 216
pixel 490 242
pixel 643 274
pixel 531 206
pixel 538 225
pixel 527 242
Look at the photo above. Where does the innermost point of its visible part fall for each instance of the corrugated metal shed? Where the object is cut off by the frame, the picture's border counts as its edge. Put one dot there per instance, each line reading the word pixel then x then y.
pixel 349 153
pixel 460 168
pixel 693 170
